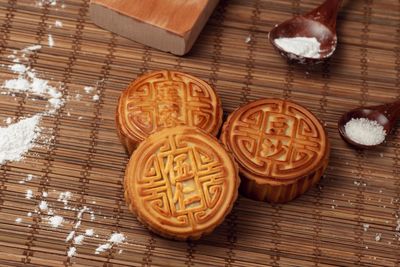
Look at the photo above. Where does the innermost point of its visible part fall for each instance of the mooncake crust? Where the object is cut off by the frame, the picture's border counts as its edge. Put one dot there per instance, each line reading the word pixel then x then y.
pixel 282 149
pixel 181 183
pixel 164 99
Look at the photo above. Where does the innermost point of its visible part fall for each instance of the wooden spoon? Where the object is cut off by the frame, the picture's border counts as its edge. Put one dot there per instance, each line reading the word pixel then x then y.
pixel 319 23
pixel 386 115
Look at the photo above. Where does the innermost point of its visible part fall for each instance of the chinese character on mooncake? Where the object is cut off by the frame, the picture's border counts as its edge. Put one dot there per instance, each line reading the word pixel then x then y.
pixel 281 148
pixel 181 182
pixel 165 99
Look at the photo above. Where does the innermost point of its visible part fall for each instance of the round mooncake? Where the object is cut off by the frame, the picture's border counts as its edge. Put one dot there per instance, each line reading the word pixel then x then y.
pixel 181 182
pixel 164 99
pixel 281 148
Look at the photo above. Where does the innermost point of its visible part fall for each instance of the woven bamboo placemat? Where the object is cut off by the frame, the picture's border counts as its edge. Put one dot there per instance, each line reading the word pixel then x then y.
pixel 350 219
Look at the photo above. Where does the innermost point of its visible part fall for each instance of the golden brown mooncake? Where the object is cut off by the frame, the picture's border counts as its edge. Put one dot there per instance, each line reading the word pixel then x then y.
pixel 181 182
pixel 164 99
pixel 281 148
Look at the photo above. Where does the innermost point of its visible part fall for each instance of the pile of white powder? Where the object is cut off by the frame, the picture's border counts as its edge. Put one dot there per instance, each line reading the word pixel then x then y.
pixel 18 138
pixel 365 132
pixel 300 46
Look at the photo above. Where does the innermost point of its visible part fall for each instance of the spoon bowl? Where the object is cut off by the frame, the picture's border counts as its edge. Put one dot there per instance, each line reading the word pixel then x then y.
pixel 367 113
pixel 305 27
pixel 320 23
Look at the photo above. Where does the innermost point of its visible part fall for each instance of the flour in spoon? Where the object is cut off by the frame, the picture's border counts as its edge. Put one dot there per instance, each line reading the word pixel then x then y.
pixel 300 46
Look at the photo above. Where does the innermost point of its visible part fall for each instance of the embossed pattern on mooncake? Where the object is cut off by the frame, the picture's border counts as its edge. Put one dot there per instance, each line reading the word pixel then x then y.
pixel 166 99
pixel 181 182
pixel 276 143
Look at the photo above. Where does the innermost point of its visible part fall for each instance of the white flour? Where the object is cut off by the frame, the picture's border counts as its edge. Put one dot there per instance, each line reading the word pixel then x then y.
pixel 28 178
pixel 28 82
pixel 71 252
pixel 115 239
pixel 89 232
pixel 21 135
pixel 18 138
pixel 70 236
pixel 32 48
pixel 50 40
pixel 77 235
pixel 300 46
pixel 43 206
pixel 58 24
pixel 64 197
pixel 88 89
pixel 44 2
pixel 78 240
pixel 55 221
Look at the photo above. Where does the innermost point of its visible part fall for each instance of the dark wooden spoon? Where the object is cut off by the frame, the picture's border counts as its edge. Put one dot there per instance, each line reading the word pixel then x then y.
pixel 386 115
pixel 319 23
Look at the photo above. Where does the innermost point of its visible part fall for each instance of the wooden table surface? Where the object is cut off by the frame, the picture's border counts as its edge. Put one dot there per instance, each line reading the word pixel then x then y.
pixel 350 219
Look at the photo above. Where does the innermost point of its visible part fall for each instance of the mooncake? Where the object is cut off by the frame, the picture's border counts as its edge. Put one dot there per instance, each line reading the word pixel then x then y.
pixel 181 182
pixel 281 148
pixel 164 99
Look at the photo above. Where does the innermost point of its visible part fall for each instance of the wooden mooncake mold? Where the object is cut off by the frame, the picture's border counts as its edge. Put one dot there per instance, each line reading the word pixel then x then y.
pixel 171 26
pixel 181 182
pixel 281 147
pixel 164 99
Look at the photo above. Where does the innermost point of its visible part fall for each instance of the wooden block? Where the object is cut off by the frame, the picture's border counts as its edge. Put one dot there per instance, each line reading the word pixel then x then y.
pixel 168 25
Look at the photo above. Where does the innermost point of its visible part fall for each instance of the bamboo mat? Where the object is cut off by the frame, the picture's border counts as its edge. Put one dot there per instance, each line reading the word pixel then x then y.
pixel 350 219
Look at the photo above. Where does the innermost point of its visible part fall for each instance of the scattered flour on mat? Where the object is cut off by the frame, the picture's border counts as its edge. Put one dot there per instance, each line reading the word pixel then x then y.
pixel 22 136
pixel 58 24
pixel 89 232
pixel 64 197
pixel 31 48
pixel 55 221
pixel 28 82
pixel 18 68
pixel 78 240
pixel 40 3
pixel 378 237
pixel 28 178
pixel 248 39
pixel 17 139
pixel 71 252
pixel 29 194
pixel 77 235
pixel 88 89
pixel 70 236
pixel 115 239
pixel 43 206
pixel 50 40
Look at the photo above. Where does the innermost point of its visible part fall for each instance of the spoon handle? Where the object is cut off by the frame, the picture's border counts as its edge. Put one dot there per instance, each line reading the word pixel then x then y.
pixel 326 13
